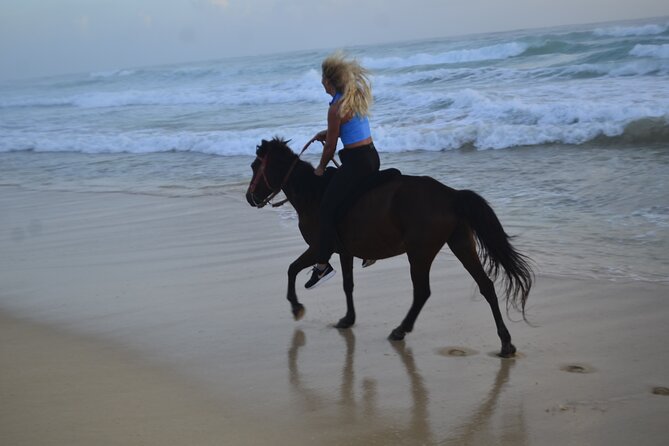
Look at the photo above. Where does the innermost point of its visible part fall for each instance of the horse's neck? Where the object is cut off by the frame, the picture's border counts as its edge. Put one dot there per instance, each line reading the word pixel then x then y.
pixel 304 190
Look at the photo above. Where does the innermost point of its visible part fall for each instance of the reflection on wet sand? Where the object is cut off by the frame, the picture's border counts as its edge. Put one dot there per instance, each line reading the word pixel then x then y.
pixel 379 427
pixel 478 428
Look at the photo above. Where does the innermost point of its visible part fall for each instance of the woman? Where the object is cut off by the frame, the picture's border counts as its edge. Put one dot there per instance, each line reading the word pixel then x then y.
pixel 348 84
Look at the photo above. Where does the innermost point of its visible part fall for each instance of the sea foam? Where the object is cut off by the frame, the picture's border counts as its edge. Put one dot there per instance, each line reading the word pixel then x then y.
pixel 631 31
pixel 493 52
pixel 657 51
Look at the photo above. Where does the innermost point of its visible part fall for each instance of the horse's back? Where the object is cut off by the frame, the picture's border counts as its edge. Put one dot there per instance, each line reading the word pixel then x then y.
pixel 403 194
pixel 397 208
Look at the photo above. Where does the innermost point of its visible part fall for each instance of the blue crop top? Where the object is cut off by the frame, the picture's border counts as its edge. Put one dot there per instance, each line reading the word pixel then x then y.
pixel 355 129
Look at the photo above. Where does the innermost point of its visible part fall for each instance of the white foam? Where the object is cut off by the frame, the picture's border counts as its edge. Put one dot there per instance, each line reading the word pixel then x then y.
pixel 221 143
pixel 492 52
pixel 631 31
pixel 497 75
pixel 536 115
pixel 112 73
pixel 657 51
pixel 305 88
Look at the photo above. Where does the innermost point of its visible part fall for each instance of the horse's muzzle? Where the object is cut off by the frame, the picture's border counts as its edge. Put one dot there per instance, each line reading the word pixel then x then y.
pixel 253 200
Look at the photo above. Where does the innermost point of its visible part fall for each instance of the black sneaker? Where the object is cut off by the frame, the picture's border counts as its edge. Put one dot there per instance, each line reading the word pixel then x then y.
pixel 368 262
pixel 318 276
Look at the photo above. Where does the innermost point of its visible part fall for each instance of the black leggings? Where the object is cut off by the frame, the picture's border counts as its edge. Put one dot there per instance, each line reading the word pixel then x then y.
pixel 357 164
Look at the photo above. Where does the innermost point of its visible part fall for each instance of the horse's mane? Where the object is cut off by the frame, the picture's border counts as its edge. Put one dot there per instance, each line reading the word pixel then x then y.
pixel 307 185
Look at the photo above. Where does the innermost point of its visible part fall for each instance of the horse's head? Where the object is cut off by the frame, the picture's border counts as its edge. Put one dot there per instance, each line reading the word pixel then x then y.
pixel 271 168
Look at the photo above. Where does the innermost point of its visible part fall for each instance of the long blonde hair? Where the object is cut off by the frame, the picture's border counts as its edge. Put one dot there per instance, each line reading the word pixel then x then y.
pixel 350 79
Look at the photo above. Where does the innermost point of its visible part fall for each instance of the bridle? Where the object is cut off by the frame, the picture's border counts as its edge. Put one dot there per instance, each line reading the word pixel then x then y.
pixel 261 173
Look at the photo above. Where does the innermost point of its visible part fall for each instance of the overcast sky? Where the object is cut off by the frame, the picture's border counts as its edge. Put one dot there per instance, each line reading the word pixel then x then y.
pixel 44 37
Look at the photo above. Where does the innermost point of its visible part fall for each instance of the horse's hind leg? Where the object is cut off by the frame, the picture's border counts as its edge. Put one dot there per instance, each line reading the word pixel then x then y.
pixel 420 277
pixel 464 247
pixel 346 261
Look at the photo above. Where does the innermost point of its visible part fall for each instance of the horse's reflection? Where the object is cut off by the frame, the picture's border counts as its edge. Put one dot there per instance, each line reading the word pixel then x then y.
pixel 476 429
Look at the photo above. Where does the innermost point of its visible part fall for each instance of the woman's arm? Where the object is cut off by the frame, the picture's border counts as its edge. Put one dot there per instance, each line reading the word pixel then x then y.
pixel 334 121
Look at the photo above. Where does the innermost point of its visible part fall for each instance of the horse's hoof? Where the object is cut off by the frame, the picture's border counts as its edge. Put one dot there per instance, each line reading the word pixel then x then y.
pixel 298 312
pixel 396 335
pixel 345 323
pixel 508 351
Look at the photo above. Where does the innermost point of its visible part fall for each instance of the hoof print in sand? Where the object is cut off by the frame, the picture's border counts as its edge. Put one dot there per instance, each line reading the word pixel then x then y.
pixel 664 391
pixel 456 352
pixel 577 368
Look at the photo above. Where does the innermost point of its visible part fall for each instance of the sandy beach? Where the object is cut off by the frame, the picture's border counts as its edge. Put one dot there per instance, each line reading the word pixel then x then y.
pixel 134 319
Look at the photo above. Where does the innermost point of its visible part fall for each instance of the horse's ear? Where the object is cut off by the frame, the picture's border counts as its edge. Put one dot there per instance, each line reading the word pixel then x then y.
pixel 260 146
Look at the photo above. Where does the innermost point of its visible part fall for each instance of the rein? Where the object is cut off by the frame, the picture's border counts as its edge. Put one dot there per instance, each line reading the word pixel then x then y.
pixel 261 172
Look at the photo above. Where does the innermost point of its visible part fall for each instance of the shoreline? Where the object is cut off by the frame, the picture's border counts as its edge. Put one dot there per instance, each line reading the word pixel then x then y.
pixel 579 218
pixel 132 319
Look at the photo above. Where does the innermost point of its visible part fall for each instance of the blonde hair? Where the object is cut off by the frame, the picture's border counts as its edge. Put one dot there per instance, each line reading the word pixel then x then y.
pixel 350 79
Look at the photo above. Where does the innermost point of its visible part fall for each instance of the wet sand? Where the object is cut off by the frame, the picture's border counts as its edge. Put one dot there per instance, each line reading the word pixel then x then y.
pixel 130 319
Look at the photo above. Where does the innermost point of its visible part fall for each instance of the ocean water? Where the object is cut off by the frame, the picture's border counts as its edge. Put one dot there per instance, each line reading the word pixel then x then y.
pixel 564 130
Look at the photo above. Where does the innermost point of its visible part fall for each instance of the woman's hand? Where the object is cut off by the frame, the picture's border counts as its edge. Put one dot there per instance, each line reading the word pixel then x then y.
pixel 319 171
pixel 320 136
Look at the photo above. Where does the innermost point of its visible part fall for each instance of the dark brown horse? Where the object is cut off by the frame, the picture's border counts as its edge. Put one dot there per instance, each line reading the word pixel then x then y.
pixel 405 214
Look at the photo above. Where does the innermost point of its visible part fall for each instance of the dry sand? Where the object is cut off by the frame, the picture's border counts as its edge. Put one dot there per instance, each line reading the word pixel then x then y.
pixel 128 319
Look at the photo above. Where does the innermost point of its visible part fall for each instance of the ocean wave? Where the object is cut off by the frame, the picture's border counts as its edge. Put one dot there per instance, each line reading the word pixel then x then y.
pixel 532 88
pixel 34 102
pixel 479 131
pixel 552 46
pixel 575 111
pixel 492 52
pixel 112 73
pixel 631 31
pixel 656 51
pixel 644 130
pixel 305 88
pixel 484 136
pixel 140 142
pixel 166 74
pixel 506 75
pixel 442 75
pixel 505 118
pixel 583 71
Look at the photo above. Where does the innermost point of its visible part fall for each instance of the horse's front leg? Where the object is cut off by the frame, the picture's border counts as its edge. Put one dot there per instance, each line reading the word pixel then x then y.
pixel 346 261
pixel 308 258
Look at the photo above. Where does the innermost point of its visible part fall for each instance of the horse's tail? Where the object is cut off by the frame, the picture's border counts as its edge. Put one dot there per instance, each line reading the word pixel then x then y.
pixel 495 249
